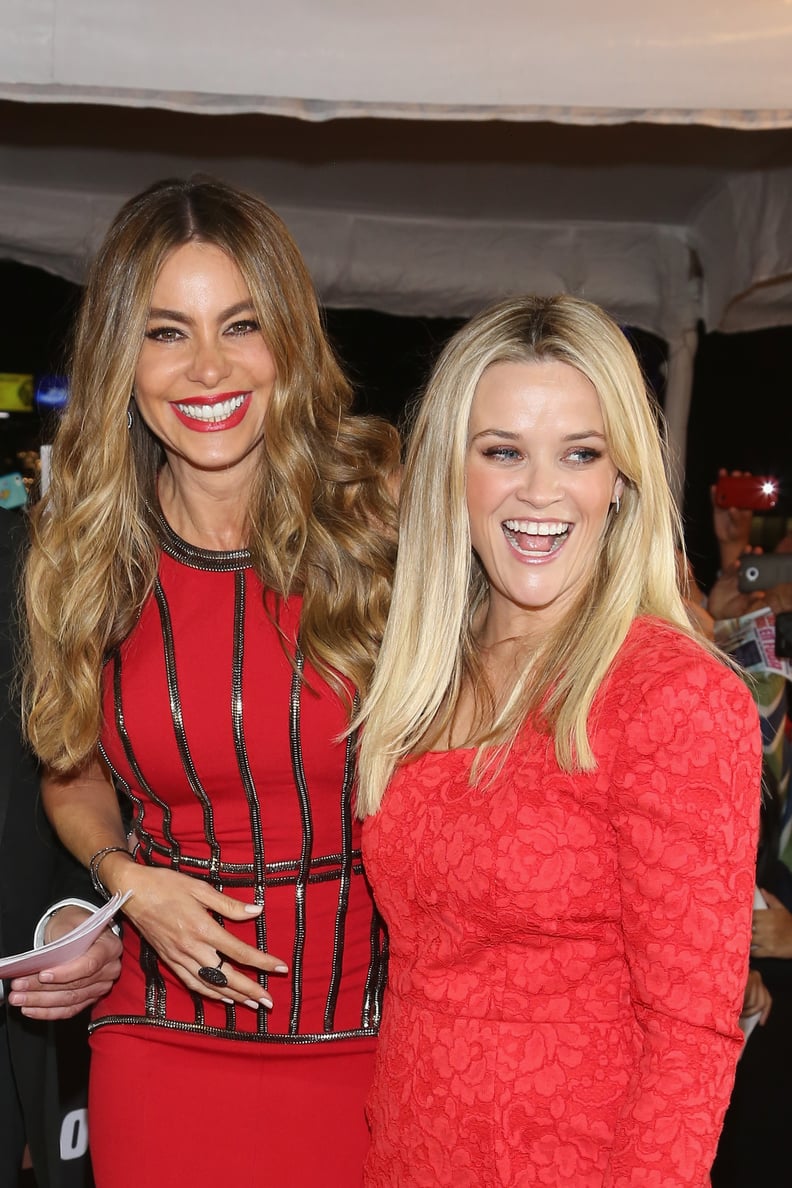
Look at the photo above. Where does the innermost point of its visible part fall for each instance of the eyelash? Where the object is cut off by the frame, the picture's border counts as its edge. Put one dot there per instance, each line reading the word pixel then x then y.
pixel 164 334
pixel 168 334
pixel 246 326
pixel 587 454
pixel 501 453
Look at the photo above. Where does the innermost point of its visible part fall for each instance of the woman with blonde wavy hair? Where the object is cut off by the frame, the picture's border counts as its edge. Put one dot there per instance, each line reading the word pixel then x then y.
pixel 561 784
pixel 206 589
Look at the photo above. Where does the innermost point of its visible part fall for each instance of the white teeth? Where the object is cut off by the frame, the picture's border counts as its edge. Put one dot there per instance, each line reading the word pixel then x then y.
pixel 212 412
pixel 533 528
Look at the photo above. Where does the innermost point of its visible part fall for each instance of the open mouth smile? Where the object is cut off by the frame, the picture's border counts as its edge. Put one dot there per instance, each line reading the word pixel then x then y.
pixel 536 539
pixel 209 414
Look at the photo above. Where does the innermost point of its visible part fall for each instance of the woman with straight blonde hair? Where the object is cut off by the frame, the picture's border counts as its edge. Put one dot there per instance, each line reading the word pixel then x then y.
pixel 561 784
pixel 206 589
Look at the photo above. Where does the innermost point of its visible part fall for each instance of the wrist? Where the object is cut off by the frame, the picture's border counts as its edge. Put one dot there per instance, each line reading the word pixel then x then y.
pixel 105 869
pixel 64 917
pixel 731 551
pixel 63 920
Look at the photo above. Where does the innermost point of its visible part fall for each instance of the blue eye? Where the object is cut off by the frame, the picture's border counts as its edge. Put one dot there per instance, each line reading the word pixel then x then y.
pixel 584 454
pixel 502 453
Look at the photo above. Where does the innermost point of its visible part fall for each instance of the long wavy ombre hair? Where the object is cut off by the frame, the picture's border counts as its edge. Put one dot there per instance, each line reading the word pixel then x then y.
pixel 321 520
pixel 440 588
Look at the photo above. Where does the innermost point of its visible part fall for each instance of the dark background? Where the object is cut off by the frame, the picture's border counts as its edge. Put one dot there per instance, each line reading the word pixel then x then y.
pixel 741 414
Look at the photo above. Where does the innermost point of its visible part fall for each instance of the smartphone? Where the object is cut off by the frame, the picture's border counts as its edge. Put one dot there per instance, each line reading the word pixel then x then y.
pixel 754 492
pixel 763 572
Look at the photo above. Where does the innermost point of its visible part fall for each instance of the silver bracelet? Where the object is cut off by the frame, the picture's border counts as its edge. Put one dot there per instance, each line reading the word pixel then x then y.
pixel 96 861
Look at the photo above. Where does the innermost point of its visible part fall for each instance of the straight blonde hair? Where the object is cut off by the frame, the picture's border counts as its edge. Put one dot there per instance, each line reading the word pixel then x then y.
pixel 321 520
pixel 428 648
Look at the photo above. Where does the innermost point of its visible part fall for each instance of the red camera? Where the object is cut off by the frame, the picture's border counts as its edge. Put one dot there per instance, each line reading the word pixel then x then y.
pixel 754 492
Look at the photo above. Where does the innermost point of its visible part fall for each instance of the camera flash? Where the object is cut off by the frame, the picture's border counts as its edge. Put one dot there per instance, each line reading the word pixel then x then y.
pixel 768 488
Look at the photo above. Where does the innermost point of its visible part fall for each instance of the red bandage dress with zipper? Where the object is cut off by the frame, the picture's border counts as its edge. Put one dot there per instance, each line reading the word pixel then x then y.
pixel 229 753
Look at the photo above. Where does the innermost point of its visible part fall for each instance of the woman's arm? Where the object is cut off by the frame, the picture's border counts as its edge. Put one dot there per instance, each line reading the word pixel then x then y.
pixel 171 910
pixel 83 809
pixel 685 805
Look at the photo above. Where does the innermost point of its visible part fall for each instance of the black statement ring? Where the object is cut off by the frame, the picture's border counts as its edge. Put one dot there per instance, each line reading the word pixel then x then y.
pixel 213 974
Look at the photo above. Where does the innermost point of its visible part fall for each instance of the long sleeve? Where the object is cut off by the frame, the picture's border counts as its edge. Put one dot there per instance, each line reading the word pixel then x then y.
pixel 34 867
pixel 685 804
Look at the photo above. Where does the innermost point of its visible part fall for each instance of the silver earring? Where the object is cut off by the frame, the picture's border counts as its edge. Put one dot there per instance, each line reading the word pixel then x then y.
pixel 617 501
pixel 129 418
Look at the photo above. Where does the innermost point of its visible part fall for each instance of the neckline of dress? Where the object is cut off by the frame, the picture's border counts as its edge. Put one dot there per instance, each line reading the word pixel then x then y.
pixel 209 560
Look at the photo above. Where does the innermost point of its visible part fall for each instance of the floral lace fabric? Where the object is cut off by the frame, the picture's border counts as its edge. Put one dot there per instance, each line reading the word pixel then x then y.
pixel 569 951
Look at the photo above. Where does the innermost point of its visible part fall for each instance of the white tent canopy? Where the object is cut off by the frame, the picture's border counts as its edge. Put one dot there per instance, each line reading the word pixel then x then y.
pixel 721 62
pixel 638 154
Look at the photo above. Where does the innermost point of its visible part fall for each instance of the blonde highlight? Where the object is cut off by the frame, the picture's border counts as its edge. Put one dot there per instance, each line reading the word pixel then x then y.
pixel 320 514
pixel 429 647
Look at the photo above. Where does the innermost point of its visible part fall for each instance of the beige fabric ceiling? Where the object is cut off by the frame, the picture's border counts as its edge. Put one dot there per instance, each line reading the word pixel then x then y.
pixel 430 157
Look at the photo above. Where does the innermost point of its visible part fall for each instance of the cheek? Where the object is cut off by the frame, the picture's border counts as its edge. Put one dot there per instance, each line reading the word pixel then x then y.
pixel 593 495
pixel 483 492
pixel 260 363
pixel 484 498
pixel 150 376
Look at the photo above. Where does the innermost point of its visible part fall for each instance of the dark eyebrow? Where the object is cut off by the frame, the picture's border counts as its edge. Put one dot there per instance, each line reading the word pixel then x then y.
pixel 173 315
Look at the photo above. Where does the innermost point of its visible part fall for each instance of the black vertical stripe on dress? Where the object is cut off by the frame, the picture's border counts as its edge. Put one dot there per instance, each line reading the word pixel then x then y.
pixel 248 783
pixel 156 994
pixel 377 972
pixel 143 784
pixel 307 841
pixel 345 878
pixel 177 718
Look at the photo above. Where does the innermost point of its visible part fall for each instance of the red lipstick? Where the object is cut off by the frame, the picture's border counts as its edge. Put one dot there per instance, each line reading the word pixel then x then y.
pixel 200 424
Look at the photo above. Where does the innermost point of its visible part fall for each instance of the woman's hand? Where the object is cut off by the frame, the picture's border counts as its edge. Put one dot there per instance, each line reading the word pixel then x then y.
pixel 65 990
pixel 732 525
pixel 779 599
pixel 726 601
pixel 771 929
pixel 173 912
pixel 757 1000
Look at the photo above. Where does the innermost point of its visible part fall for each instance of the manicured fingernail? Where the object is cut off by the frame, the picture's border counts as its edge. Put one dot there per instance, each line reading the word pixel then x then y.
pixel 254 909
pixel 46 976
pixel 227 1001
pixel 254 1006
pixel 281 969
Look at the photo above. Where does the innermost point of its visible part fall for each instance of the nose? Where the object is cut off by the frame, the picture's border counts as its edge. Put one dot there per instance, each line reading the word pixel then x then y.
pixel 539 484
pixel 209 362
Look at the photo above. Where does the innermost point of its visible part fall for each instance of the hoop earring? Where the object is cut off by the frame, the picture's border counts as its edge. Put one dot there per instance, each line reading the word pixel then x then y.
pixel 129 418
pixel 617 502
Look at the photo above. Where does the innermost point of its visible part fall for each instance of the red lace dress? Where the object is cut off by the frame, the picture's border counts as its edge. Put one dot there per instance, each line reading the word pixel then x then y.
pixel 234 774
pixel 568 952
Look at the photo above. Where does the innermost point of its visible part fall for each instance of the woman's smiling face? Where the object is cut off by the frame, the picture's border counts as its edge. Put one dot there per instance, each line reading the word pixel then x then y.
pixel 205 375
pixel 540 482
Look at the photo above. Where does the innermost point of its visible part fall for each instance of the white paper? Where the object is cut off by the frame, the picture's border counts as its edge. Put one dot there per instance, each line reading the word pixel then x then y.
pixel 67 947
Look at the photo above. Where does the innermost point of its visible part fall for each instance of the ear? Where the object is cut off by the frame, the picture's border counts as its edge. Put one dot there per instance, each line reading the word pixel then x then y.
pixel 618 489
